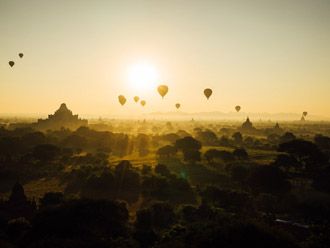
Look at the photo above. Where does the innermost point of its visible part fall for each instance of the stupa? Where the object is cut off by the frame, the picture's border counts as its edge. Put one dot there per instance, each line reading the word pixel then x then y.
pixel 247 126
pixel 62 118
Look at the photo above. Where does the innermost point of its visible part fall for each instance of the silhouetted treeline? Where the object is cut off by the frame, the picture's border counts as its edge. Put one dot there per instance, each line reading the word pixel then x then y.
pixel 197 187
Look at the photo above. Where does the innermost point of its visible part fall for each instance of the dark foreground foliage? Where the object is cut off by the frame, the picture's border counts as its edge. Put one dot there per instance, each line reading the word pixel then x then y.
pixel 203 188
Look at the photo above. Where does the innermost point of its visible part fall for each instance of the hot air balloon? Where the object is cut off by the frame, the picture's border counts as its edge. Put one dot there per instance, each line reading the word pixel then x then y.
pixel 11 63
pixel 143 102
pixel 162 90
pixel 136 99
pixel 21 55
pixel 122 99
pixel 305 113
pixel 178 105
pixel 207 93
pixel 238 108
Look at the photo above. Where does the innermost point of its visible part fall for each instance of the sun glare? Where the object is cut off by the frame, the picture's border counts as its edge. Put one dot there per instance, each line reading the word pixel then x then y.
pixel 143 77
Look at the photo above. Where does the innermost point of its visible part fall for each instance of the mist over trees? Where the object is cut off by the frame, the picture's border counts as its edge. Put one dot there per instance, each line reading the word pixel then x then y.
pixel 161 184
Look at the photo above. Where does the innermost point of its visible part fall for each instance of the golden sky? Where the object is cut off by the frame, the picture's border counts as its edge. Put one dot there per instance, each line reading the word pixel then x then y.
pixel 267 56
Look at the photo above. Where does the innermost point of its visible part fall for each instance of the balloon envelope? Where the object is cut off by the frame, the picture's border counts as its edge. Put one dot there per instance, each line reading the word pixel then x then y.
pixel 143 102
pixel 121 99
pixel 238 108
pixel 178 105
pixel 11 63
pixel 21 55
pixel 136 99
pixel 162 90
pixel 305 113
pixel 208 93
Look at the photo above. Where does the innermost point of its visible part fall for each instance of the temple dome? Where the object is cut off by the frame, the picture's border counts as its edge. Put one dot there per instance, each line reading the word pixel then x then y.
pixel 277 126
pixel 247 124
pixel 62 117
pixel 63 110
pixel 63 107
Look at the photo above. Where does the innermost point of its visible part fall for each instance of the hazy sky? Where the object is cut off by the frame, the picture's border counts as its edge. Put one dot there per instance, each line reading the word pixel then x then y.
pixel 267 56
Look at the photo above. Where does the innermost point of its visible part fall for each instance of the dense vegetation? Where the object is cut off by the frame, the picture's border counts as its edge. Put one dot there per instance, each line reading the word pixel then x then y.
pixel 163 184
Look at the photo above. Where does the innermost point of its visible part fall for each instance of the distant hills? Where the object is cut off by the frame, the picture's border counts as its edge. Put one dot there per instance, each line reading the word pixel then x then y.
pixel 178 115
pixel 237 116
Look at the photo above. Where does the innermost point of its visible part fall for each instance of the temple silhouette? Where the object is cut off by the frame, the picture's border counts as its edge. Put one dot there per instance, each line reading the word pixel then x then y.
pixel 62 118
pixel 247 126
pixel 18 205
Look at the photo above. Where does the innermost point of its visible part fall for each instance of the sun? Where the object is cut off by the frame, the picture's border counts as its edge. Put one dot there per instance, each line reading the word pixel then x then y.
pixel 142 77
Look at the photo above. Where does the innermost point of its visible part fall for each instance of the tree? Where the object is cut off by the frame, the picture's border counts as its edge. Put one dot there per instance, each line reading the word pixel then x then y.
pixel 159 216
pixel 142 141
pixel 190 148
pixel 51 199
pixel 122 167
pixel 99 186
pixel 17 195
pixel 144 232
pixel 305 152
pixel 127 182
pixel 121 145
pixel 225 131
pixel 238 138
pixel 155 187
pixel 286 137
pixel 182 133
pixel 33 139
pixel 167 151
pixel 75 141
pixel 46 152
pixel 163 215
pixel 321 180
pixel 273 138
pixel 240 153
pixel 323 142
pixel 211 154
pixel 146 169
pixel 226 156
pixel 239 173
pixel 188 143
pixel 224 198
pixel 18 205
pixel 249 141
pixel 224 141
pixel 268 179
pixel 10 146
pixel 99 219
pixel 207 137
pixel 192 156
pixel 287 161
pixel 162 169
pixel 170 137
pixel 168 188
pixel 226 231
